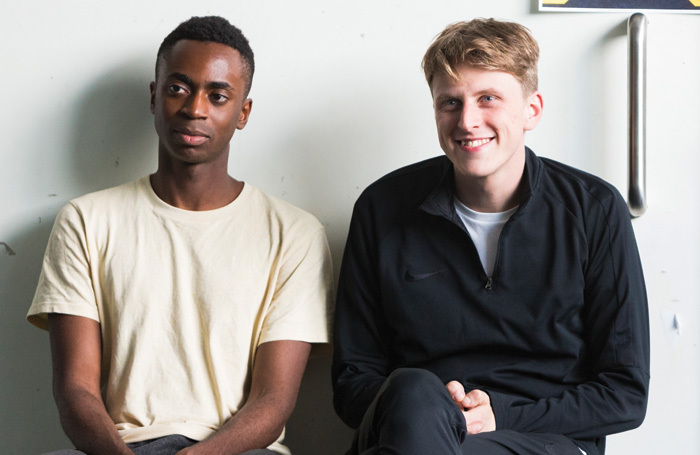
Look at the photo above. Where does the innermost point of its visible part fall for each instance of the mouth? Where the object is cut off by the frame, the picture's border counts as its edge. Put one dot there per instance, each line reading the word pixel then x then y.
pixel 190 137
pixel 474 143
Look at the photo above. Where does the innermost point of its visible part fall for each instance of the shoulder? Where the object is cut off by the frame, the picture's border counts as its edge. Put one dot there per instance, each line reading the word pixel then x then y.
pixel 101 205
pixel 280 212
pixel 406 187
pixel 578 190
pixel 109 199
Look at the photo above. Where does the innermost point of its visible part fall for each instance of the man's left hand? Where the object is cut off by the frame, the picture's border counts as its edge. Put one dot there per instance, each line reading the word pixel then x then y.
pixel 476 407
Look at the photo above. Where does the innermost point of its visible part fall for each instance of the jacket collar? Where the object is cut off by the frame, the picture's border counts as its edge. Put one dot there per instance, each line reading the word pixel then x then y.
pixel 440 201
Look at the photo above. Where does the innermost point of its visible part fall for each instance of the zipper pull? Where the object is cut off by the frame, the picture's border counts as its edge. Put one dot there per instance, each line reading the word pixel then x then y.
pixel 489 284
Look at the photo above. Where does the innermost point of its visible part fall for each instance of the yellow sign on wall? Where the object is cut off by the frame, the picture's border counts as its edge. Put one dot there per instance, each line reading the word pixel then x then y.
pixel 607 5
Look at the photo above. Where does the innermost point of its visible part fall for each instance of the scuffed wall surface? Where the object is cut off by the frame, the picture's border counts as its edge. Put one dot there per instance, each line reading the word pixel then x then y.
pixel 339 100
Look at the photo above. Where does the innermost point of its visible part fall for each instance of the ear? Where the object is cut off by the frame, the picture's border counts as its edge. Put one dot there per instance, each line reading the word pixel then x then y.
pixel 152 87
pixel 245 113
pixel 534 107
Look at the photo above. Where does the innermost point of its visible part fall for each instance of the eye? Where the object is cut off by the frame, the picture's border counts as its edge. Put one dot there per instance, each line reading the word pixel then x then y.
pixel 488 98
pixel 175 89
pixel 449 103
pixel 219 98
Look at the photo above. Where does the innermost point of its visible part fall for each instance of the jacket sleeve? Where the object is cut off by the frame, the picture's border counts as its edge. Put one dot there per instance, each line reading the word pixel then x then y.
pixel 615 317
pixel 360 360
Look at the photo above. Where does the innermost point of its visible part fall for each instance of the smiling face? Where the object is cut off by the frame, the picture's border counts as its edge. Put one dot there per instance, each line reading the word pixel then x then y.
pixel 198 102
pixel 481 120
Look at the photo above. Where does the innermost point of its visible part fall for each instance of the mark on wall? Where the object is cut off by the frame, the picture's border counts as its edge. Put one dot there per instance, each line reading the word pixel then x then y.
pixel 672 324
pixel 8 250
pixel 53 195
pixel 677 323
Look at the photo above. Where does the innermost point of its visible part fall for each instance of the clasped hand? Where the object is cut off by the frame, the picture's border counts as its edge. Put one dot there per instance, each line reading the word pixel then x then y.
pixel 476 407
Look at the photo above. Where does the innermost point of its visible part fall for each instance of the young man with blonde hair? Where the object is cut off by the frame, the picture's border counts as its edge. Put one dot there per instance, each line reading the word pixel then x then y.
pixel 490 301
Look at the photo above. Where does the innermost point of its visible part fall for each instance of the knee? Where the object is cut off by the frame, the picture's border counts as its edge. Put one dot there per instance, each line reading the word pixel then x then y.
pixel 414 381
pixel 414 387
pixel 414 404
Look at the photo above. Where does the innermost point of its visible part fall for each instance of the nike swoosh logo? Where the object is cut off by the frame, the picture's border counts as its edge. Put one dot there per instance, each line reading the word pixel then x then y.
pixel 421 276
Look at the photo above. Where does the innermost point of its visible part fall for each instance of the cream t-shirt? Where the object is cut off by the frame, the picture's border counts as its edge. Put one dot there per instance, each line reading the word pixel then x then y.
pixel 184 298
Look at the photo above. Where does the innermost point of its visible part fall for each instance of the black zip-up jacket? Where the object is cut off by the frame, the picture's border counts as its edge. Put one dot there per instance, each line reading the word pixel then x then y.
pixel 558 336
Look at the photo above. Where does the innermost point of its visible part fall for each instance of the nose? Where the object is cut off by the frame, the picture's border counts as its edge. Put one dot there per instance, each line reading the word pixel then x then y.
pixel 195 106
pixel 470 117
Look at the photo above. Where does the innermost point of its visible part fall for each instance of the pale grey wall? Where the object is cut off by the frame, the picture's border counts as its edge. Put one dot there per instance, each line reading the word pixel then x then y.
pixel 339 100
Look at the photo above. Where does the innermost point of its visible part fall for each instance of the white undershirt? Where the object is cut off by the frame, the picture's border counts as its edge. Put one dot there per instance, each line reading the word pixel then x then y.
pixel 484 229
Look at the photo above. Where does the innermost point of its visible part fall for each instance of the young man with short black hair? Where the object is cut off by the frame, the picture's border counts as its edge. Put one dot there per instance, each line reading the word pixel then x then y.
pixel 182 306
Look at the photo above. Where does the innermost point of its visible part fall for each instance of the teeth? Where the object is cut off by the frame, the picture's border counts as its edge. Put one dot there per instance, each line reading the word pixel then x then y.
pixel 476 143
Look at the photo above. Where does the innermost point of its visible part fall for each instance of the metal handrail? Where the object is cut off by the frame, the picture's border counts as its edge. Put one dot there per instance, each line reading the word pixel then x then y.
pixel 637 55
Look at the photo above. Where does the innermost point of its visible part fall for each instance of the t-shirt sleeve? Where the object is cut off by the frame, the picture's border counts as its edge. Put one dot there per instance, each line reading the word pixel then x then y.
pixel 65 284
pixel 302 306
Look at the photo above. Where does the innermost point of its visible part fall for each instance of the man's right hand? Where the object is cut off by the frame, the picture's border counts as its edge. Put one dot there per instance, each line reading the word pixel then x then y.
pixel 476 407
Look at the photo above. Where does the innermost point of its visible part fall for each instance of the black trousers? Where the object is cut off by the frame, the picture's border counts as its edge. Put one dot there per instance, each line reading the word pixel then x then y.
pixel 414 414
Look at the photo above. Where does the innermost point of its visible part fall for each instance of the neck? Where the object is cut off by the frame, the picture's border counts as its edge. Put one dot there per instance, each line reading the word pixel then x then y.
pixel 487 195
pixel 195 187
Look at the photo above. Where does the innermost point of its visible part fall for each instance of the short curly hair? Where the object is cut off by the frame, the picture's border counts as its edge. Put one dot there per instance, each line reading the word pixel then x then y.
pixel 210 28
pixel 488 44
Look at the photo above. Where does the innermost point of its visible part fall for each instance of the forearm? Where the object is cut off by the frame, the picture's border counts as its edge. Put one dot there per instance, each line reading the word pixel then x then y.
pixel 362 337
pixel 87 424
pixel 257 425
pixel 277 373
pixel 360 366
pixel 76 354
pixel 353 391
pixel 614 402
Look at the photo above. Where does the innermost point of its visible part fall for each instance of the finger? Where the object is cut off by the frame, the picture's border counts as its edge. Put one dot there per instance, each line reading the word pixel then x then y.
pixel 480 419
pixel 456 391
pixel 476 398
pixel 473 428
pixel 474 421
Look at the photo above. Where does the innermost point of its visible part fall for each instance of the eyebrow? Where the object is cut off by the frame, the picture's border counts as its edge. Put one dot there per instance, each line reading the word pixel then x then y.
pixel 490 91
pixel 486 90
pixel 209 84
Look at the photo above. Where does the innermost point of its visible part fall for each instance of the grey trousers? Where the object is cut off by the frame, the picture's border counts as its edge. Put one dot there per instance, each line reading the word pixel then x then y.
pixel 167 445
